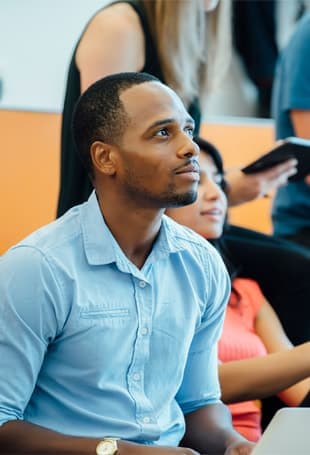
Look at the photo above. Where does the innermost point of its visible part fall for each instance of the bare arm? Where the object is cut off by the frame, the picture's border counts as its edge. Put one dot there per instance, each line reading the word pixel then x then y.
pixel 209 430
pixel 269 328
pixel 96 57
pixel 283 367
pixel 261 377
pixel 19 437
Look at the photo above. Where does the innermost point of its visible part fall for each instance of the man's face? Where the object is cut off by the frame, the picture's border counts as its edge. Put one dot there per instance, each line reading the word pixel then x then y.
pixel 157 158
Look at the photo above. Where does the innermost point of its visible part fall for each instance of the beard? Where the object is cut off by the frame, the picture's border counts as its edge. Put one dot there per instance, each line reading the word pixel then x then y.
pixel 169 198
pixel 179 200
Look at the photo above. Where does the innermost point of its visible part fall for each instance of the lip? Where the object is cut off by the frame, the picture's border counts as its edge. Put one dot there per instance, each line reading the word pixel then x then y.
pixel 189 168
pixel 189 172
pixel 212 213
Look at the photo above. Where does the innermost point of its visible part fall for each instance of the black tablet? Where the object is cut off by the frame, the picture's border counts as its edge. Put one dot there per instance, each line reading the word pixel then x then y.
pixel 291 147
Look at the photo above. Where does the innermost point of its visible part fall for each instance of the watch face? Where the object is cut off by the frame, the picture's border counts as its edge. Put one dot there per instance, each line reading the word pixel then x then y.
pixel 106 447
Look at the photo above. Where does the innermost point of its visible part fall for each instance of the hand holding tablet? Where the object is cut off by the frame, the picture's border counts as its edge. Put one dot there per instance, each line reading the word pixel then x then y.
pixel 291 147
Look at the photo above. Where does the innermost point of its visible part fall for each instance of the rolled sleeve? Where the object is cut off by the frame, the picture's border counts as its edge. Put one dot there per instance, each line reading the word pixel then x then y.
pixel 200 385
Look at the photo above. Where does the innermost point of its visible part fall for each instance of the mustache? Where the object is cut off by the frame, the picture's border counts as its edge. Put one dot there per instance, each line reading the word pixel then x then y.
pixel 191 165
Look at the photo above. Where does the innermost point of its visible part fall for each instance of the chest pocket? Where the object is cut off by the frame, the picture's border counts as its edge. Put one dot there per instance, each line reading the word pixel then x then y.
pixel 109 315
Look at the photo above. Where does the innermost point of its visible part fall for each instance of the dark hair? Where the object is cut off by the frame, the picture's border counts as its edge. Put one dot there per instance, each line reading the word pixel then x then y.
pixel 99 113
pixel 208 148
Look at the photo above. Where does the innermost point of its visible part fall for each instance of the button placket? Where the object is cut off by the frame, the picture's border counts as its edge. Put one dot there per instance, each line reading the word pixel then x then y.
pixel 144 408
pixel 137 376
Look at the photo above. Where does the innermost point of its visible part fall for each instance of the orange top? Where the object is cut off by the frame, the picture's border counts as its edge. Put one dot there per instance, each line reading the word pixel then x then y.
pixel 239 341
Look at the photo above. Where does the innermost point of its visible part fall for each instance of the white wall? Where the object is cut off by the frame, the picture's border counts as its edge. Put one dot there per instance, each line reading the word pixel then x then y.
pixel 36 41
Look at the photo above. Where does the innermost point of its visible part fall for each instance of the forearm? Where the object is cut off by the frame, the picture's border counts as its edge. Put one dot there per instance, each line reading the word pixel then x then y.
pixel 18 437
pixel 209 430
pixel 259 377
pixel 22 438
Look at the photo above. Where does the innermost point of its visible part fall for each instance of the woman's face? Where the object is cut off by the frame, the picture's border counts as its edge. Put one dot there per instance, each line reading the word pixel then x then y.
pixel 207 214
pixel 210 5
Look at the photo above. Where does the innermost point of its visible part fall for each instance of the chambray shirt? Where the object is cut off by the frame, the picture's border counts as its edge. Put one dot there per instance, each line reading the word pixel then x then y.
pixel 92 346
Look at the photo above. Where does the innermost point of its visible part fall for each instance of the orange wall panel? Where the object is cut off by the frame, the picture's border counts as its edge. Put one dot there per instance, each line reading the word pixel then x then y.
pixel 29 172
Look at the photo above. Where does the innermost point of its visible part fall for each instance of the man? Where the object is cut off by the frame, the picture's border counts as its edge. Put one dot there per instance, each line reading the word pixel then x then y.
pixel 291 110
pixel 111 314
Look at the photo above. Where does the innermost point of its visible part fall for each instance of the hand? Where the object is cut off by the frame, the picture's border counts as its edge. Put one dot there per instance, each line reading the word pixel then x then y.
pixel 240 448
pixel 307 179
pixel 246 187
pixel 128 448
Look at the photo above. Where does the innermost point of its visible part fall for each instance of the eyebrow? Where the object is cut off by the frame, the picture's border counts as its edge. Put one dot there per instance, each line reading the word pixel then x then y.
pixel 167 121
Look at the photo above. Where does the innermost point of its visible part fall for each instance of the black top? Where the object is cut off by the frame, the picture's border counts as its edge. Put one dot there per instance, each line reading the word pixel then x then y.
pixel 75 186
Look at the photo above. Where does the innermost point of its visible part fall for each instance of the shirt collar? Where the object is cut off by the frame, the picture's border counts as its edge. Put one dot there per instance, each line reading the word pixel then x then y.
pixel 101 247
pixel 98 239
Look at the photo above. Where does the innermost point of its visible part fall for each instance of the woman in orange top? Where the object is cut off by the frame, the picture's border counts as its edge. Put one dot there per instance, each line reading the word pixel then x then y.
pixel 256 359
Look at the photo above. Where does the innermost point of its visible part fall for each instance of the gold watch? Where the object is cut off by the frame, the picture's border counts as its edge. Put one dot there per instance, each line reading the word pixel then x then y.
pixel 108 446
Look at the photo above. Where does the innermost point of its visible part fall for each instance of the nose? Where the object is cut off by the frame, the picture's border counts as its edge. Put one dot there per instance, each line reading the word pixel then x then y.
pixel 188 148
pixel 211 190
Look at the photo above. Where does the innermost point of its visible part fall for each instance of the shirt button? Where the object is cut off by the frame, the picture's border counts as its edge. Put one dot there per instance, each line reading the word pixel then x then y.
pixel 136 376
pixel 142 284
pixel 146 420
pixel 144 331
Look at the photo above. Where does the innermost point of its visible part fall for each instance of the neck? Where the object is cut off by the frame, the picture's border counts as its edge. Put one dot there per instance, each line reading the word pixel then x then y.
pixel 134 228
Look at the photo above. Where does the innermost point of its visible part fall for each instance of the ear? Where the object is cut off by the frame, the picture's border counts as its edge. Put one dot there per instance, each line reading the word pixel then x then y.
pixel 102 157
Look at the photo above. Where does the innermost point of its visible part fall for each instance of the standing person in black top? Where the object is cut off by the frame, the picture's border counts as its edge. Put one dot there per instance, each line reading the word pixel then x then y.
pixel 175 41
pixel 255 30
pixel 188 49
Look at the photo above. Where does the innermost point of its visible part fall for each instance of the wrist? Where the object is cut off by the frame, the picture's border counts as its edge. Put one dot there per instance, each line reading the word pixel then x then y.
pixel 129 448
pixel 107 446
pixel 233 437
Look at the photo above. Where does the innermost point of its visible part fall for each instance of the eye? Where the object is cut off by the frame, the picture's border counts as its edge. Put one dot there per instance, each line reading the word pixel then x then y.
pixel 190 131
pixel 163 132
pixel 219 180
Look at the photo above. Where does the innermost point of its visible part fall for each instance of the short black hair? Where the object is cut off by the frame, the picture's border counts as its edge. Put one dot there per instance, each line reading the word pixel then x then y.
pixel 99 114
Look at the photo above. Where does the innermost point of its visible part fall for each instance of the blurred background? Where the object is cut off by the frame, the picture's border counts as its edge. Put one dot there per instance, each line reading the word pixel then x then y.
pixel 37 39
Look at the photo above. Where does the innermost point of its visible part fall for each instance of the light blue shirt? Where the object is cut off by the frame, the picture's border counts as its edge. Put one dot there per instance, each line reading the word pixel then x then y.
pixel 291 206
pixel 92 346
